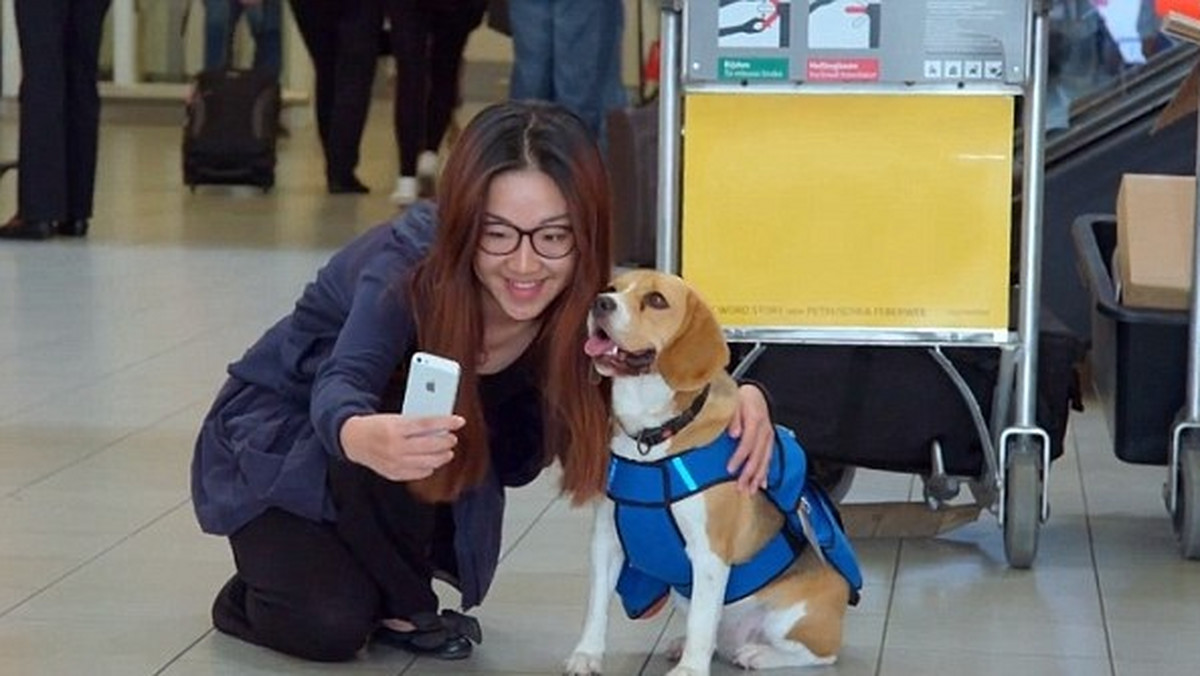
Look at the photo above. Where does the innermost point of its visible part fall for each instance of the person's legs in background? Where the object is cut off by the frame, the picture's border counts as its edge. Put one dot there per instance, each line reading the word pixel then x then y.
pixel 220 17
pixel 59 116
pixel 428 47
pixel 616 96
pixel 411 31
pixel 342 40
pixel 587 59
pixel 450 35
pixel 356 53
pixel 42 177
pixel 84 30
pixel 533 37
pixel 315 19
pixel 266 20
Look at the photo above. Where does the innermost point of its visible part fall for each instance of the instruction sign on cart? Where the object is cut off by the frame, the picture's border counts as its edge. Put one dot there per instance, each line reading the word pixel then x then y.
pixel 910 41
pixel 866 206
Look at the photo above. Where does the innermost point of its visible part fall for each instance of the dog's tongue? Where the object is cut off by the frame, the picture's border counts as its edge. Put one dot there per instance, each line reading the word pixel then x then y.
pixel 596 346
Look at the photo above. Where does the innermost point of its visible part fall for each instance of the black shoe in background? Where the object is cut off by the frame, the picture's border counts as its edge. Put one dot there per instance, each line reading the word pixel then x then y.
pixel 27 230
pixel 346 186
pixel 76 227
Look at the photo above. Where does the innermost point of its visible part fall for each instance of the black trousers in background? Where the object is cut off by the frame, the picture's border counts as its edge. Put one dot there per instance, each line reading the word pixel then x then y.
pixel 60 107
pixel 318 590
pixel 342 38
pixel 427 43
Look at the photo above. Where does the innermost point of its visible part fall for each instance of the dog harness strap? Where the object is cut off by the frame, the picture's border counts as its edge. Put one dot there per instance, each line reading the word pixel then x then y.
pixel 769 563
pixel 671 479
pixel 653 436
pixel 655 549
pixel 831 537
pixel 786 480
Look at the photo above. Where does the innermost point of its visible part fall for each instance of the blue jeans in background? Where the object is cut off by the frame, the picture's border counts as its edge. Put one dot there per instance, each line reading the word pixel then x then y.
pixel 265 18
pixel 569 52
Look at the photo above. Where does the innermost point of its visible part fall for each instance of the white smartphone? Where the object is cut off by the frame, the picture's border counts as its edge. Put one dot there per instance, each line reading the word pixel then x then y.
pixel 432 385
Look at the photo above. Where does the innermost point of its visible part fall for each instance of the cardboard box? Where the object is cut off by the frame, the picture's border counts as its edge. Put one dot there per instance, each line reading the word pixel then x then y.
pixel 1152 265
pixel 1155 230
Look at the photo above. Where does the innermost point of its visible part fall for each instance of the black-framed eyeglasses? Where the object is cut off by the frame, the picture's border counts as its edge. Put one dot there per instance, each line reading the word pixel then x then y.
pixel 549 241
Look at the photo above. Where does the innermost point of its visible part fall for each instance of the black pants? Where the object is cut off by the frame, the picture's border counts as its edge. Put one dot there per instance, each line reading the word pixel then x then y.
pixel 60 108
pixel 427 44
pixel 342 38
pixel 318 590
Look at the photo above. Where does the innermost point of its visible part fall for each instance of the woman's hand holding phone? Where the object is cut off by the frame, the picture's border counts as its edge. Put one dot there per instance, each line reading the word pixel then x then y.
pixel 400 447
pixel 420 439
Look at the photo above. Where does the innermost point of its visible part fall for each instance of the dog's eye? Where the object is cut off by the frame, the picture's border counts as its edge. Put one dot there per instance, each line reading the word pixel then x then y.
pixel 609 289
pixel 656 300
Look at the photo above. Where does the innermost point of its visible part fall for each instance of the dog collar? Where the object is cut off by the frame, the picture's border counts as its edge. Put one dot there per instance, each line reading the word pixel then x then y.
pixel 652 436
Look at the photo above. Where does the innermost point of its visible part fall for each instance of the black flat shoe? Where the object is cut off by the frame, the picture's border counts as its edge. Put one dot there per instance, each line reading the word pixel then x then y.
pixel 422 643
pixel 347 186
pixel 445 637
pixel 27 230
pixel 77 227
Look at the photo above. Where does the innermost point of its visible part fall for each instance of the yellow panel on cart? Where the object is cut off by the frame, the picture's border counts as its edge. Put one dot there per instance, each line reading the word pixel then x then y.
pixel 849 211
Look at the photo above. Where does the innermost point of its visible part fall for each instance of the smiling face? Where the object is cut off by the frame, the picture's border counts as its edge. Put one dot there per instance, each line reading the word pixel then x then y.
pixel 520 285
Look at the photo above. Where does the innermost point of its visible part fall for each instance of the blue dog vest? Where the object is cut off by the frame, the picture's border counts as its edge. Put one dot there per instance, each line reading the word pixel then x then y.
pixel 655 557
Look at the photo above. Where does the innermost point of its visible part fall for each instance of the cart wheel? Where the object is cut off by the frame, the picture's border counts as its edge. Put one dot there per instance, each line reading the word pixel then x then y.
pixel 1186 518
pixel 1022 508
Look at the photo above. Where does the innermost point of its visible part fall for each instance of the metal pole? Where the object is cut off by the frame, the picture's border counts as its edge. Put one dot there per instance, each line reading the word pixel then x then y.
pixel 667 255
pixel 1193 372
pixel 1031 221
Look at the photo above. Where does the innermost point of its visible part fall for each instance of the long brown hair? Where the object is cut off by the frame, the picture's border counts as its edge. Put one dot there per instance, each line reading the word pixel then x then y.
pixel 447 296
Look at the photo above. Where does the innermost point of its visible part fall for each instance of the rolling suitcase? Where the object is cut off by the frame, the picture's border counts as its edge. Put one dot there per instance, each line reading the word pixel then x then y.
pixel 231 127
pixel 633 166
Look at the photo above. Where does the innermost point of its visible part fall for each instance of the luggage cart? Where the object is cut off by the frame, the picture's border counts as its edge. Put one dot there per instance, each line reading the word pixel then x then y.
pixel 837 172
pixel 1182 490
pixel 1137 362
pixel 1152 412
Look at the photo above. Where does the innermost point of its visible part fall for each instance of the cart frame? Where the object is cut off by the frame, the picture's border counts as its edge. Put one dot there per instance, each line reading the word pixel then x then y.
pixel 1181 492
pixel 1017 451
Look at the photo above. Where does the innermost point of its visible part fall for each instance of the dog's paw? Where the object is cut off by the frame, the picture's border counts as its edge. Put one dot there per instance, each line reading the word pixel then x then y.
pixel 762 656
pixel 582 664
pixel 681 670
pixel 675 648
pixel 754 656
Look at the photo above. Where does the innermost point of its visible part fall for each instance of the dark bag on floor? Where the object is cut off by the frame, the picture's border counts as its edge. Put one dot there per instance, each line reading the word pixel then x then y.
pixel 232 124
pixel 882 407
pixel 633 166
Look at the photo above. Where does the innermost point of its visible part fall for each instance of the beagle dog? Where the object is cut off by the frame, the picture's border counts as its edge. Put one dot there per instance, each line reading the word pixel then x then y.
pixel 765 578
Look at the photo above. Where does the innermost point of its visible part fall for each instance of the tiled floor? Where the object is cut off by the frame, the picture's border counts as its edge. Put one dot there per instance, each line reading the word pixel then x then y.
pixel 111 348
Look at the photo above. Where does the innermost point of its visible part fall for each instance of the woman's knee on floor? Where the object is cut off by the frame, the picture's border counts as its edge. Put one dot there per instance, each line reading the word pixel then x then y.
pixel 330 623
pixel 330 628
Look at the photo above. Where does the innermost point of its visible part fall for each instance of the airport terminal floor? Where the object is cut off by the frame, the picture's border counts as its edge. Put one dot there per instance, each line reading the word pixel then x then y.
pixel 112 347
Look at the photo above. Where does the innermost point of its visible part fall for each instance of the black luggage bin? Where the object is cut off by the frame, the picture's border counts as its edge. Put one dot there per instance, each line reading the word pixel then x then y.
pixel 1139 356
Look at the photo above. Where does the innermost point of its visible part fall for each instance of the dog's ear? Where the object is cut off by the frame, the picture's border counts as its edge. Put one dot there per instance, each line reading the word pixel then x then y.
pixel 698 350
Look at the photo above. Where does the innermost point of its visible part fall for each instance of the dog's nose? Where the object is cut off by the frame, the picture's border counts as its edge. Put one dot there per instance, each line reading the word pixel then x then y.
pixel 603 305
